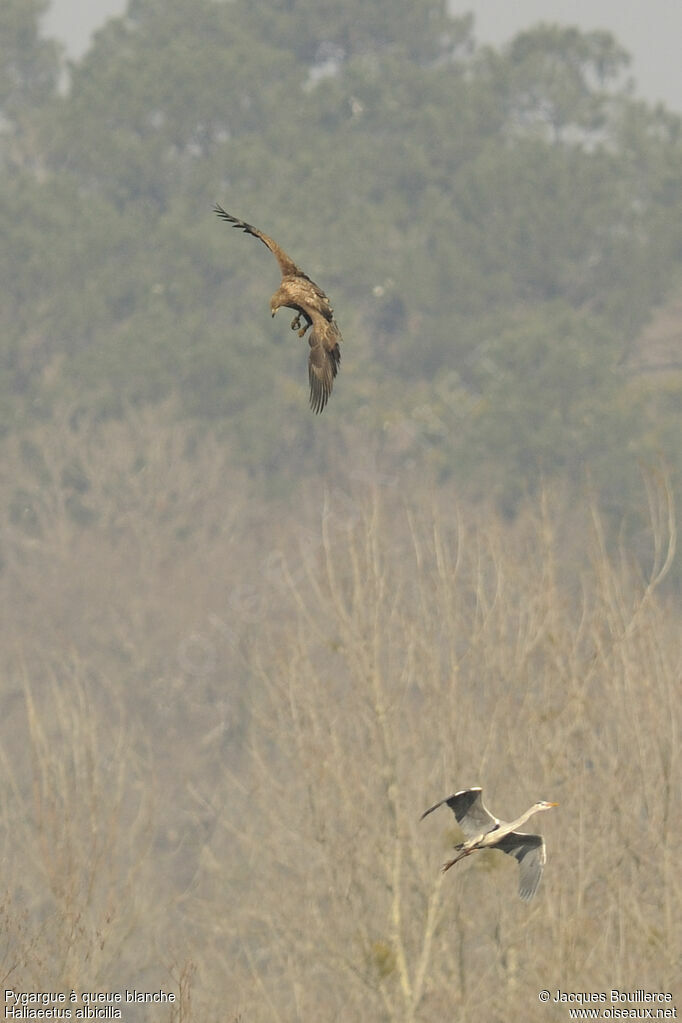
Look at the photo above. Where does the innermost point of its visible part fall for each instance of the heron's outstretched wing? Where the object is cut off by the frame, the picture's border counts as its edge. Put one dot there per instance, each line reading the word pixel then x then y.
pixel 472 816
pixel 286 264
pixel 530 851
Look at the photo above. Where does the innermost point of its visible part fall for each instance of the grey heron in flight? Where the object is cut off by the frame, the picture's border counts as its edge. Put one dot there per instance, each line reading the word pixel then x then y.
pixel 483 831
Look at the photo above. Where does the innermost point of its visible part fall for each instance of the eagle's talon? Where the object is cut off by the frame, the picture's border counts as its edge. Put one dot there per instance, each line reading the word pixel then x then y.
pixel 297 323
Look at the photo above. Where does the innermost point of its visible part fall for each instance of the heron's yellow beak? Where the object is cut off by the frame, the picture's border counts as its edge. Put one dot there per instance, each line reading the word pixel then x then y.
pixel 553 804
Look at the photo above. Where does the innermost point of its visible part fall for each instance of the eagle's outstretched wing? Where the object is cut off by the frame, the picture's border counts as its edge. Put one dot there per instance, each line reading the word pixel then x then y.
pixel 286 264
pixel 323 361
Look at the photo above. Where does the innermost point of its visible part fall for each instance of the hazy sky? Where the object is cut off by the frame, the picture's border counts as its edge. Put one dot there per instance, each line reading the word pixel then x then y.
pixel 650 30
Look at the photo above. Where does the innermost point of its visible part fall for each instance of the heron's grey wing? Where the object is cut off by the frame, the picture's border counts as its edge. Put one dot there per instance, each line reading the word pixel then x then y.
pixel 529 850
pixel 472 816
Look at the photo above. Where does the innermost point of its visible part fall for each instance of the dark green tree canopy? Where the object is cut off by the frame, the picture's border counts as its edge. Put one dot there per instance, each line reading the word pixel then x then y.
pixel 559 78
pixel 318 31
pixel 28 62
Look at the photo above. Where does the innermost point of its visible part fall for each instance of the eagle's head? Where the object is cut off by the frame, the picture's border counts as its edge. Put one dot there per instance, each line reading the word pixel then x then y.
pixel 274 304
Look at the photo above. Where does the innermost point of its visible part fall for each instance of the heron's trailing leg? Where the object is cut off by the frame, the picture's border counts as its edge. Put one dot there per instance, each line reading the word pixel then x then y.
pixel 464 852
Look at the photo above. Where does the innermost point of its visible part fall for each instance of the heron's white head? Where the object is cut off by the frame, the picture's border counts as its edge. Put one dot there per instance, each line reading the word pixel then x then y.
pixel 544 805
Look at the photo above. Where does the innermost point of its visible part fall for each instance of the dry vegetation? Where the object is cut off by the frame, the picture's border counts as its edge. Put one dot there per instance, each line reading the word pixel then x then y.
pixel 220 728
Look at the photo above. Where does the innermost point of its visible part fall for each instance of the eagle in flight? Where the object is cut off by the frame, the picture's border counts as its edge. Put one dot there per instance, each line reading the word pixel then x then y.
pixel 298 292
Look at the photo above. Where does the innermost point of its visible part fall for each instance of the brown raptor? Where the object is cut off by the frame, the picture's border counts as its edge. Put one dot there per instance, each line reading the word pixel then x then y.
pixel 297 291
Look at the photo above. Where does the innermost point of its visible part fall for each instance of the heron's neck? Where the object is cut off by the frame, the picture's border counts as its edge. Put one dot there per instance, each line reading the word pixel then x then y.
pixel 524 816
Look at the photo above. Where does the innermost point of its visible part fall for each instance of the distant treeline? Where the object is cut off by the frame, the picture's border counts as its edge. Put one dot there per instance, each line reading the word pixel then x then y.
pixel 495 227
